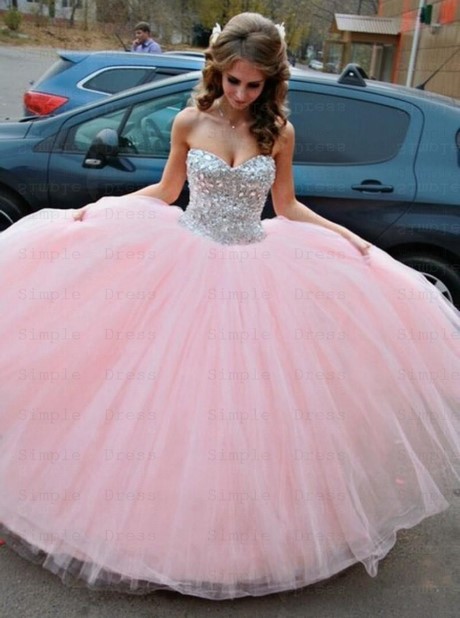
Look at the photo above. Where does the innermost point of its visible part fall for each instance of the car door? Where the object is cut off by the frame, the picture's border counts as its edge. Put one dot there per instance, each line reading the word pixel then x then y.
pixel 143 131
pixel 354 154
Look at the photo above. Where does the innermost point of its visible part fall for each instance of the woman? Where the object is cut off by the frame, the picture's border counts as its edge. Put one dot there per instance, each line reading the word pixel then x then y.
pixel 203 402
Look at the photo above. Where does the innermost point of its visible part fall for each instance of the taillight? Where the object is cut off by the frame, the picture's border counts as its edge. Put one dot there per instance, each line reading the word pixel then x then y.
pixel 41 103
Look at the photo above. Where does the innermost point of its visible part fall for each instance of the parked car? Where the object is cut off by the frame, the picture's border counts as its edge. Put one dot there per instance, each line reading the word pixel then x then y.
pixel 78 78
pixel 384 160
pixel 333 66
pixel 317 65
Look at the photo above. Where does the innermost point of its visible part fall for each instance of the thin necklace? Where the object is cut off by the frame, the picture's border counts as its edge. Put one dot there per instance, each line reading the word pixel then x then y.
pixel 225 117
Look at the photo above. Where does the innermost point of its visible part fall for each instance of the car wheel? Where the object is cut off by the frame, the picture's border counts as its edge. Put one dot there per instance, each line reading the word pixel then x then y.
pixel 441 274
pixel 11 209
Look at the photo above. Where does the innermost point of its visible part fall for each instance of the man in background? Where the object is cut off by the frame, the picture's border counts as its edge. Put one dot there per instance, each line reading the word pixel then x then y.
pixel 143 41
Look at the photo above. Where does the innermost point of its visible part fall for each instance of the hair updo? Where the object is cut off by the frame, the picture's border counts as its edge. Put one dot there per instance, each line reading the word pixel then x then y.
pixel 256 39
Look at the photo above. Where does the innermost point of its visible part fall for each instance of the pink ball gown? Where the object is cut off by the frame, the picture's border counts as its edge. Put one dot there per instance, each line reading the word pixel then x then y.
pixel 212 404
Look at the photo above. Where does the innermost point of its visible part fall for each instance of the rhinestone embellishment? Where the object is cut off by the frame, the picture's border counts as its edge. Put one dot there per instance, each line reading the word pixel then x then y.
pixel 226 202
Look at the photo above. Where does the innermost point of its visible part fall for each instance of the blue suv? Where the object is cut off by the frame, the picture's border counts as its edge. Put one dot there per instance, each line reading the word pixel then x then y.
pixel 77 78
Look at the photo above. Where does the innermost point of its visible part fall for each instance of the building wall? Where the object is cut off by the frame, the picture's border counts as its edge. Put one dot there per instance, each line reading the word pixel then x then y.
pixel 436 44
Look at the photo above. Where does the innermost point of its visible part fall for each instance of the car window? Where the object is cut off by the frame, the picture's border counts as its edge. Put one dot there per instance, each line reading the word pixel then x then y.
pixel 143 129
pixel 341 130
pixel 79 138
pixel 147 130
pixel 118 79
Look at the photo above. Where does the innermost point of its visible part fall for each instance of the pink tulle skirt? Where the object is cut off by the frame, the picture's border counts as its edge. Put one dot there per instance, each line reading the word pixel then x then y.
pixel 220 420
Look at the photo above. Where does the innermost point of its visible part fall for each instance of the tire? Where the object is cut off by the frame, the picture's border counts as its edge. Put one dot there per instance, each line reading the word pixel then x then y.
pixel 441 274
pixel 12 208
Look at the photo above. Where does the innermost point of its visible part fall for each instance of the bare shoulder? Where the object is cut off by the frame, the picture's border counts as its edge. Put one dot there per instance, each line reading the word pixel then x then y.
pixel 187 118
pixel 287 134
pixel 189 121
pixel 183 126
pixel 285 140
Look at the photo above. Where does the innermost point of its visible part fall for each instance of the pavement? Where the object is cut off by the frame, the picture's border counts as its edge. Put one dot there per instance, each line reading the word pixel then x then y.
pixel 420 578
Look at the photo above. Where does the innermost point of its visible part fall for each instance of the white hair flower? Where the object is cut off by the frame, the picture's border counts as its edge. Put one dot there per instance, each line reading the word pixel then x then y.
pixel 215 34
pixel 282 30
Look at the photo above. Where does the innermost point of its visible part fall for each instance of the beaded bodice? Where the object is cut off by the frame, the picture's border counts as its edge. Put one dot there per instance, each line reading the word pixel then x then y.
pixel 226 202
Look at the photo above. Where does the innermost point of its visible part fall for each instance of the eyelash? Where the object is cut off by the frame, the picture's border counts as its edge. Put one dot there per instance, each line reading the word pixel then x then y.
pixel 235 82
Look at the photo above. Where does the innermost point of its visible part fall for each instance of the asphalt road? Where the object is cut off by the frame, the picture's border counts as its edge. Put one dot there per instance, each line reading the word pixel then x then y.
pixel 420 578
pixel 18 67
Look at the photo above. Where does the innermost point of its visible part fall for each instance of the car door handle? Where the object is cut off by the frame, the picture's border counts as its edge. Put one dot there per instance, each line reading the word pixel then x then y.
pixel 373 186
pixel 89 162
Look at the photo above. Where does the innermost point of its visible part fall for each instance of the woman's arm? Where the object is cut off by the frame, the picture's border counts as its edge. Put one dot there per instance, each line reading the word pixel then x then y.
pixel 283 193
pixel 174 174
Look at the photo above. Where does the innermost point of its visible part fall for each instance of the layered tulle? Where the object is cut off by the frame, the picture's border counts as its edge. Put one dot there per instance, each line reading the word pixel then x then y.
pixel 220 420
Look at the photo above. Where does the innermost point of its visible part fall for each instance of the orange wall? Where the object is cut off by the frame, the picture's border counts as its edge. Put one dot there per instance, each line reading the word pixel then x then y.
pixel 436 44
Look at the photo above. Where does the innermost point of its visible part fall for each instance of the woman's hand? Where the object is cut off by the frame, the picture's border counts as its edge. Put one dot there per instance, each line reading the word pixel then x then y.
pixel 362 245
pixel 79 214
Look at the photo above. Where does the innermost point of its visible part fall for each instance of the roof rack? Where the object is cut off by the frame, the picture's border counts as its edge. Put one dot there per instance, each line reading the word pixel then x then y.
pixel 353 75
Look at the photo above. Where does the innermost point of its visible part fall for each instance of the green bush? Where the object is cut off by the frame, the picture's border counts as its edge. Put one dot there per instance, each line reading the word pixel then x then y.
pixel 13 19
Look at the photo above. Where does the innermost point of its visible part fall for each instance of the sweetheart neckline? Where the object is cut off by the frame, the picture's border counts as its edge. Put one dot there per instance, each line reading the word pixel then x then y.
pixel 231 167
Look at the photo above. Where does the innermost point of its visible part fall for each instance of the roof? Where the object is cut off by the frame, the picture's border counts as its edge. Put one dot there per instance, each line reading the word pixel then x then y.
pixel 367 23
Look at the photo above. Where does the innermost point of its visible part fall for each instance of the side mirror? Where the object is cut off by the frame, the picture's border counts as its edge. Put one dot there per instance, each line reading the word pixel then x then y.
pixel 104 146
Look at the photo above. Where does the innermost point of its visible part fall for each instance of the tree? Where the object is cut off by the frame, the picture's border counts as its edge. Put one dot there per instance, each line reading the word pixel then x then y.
pixel 211 11
pixel 304 20
pixel 322 13
pixel 74 6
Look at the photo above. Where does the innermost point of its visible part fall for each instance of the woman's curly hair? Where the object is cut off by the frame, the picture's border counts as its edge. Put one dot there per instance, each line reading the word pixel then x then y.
pixel 251 37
